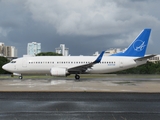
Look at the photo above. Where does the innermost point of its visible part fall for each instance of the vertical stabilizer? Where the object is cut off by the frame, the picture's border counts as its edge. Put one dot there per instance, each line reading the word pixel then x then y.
pixel 138 46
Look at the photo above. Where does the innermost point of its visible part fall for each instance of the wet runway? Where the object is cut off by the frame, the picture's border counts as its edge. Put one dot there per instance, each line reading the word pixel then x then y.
pixel 79 106
pixel 111 98
pixel 101 84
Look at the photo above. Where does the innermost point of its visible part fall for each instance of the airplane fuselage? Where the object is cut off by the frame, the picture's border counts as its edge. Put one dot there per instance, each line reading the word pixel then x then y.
pixel 43 65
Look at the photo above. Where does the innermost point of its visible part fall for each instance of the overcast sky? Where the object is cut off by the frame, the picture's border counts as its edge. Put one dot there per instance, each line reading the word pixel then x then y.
pixel 85 26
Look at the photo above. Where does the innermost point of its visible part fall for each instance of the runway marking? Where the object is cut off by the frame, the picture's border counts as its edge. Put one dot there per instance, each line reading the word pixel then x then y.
pixel 53 82
pixel 126 90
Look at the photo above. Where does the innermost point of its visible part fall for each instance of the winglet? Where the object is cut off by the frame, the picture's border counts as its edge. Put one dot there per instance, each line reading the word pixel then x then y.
pixel 99 57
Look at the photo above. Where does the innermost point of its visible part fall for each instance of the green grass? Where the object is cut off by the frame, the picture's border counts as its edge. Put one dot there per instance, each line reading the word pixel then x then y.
pixel 83 76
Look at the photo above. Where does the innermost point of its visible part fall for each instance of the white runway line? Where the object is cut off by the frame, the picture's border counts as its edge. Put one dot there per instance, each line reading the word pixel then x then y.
pixel 126 90
pixel 57 82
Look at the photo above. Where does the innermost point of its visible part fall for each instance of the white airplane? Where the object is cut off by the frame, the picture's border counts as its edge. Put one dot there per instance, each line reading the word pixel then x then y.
pixel 66 65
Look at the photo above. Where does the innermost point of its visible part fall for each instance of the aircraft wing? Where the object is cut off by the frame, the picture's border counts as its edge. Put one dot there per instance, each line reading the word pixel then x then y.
pixel 145 57
pixel 83 68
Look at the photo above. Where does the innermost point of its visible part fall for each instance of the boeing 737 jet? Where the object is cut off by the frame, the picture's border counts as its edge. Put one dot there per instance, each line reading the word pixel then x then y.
pixel 133 56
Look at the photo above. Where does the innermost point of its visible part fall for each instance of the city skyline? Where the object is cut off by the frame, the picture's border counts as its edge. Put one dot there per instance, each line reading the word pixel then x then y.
pixel 7 51
pixel 33 48
pixel 62 50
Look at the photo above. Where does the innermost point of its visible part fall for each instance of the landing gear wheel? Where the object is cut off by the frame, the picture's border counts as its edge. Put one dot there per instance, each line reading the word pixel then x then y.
pixel 20 77
pixel 77 77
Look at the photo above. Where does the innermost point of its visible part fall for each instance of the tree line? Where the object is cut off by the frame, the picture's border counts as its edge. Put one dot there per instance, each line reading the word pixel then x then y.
pixel 3 61
pixel 148 68
pixel 48 54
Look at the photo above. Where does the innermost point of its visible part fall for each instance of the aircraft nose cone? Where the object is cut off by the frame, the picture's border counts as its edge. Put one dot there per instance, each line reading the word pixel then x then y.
pixel 7 67
pixel 4 67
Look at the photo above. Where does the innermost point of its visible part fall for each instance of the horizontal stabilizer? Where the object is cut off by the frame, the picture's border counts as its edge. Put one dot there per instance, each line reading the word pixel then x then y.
pixel 145 57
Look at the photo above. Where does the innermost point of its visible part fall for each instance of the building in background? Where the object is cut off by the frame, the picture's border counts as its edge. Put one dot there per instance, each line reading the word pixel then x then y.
pixel 110 51
pixel 33 48
pixel 154 59
pixel 8 51
pixel 62 50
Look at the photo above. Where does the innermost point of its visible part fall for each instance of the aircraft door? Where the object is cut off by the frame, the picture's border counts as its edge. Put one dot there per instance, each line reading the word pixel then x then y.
pixel 120 64
pixel 14 67
pixel 24 62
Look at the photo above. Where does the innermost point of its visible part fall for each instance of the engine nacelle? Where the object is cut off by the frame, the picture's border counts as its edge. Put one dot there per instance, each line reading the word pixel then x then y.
pixel 55 71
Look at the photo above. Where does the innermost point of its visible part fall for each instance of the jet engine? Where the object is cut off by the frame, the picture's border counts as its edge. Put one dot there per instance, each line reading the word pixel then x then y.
pixel 55 71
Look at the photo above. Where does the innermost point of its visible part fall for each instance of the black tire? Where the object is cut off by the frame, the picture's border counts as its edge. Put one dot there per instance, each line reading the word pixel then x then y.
pixel 21 77
pixel 77 77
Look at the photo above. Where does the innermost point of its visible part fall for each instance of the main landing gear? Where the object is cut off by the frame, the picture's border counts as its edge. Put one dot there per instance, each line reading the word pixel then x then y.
pixel 77 77
pixel 21 77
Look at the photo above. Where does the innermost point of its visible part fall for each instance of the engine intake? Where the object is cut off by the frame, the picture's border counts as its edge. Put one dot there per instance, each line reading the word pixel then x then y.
pixel 58 71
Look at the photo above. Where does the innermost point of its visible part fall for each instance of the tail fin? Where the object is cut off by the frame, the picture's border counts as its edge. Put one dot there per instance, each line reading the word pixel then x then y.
pixel 138 46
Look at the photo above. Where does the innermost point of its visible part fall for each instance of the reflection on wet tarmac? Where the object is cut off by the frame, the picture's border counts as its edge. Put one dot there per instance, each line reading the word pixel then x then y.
pixel 79 106
pixel 112 84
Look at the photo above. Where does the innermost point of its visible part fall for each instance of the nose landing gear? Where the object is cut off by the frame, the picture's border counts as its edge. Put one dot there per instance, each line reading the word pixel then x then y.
pixel 17 74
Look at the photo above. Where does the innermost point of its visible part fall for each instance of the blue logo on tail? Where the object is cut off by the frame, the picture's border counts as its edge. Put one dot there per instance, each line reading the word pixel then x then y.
pixel 138 47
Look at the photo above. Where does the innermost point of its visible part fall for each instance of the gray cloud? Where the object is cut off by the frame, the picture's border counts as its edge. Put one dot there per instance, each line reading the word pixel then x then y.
pixel 85 26
pixel 92 18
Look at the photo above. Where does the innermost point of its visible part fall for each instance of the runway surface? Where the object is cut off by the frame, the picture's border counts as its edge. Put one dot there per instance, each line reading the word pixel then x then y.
pixel 104 98
pixel 101 84
pixel 79 106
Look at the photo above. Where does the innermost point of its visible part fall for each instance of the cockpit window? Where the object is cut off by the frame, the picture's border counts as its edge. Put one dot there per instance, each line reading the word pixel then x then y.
pixel 13 61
